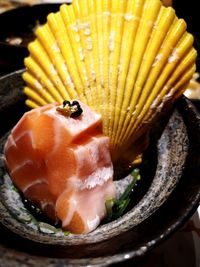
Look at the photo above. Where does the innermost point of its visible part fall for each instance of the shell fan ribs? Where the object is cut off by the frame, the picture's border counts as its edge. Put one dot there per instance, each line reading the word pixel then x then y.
pixel 124 58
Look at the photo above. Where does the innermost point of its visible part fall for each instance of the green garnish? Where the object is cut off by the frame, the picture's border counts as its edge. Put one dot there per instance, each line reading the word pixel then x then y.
pixel 66 233
pixel 116 207
pixel 14 188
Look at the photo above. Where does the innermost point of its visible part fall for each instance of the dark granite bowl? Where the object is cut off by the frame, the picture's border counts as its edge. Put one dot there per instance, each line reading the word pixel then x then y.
pixel 167 195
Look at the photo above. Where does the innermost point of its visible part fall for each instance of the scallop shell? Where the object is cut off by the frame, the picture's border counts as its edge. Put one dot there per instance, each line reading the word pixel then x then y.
pixel 124 58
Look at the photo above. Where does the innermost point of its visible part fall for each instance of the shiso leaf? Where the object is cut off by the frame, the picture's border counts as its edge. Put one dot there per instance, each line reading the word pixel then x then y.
pixel 117 207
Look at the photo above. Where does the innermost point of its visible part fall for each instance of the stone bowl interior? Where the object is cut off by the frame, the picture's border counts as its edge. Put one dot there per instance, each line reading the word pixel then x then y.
pixel 166 196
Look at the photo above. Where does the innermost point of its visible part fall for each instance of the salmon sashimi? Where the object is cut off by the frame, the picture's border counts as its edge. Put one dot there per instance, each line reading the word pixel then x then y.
pixel 62 164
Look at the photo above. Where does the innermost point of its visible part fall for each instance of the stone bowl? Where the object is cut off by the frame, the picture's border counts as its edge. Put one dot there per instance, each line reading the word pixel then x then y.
pixel 163 200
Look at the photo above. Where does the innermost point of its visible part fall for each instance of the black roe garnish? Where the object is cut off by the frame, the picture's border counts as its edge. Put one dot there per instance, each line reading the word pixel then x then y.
pixel 75 103
pixel 66 102
pixel 69 109
pixel 77 107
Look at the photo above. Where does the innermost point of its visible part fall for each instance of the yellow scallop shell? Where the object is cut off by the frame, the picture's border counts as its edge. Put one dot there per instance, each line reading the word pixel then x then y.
pixel 124 58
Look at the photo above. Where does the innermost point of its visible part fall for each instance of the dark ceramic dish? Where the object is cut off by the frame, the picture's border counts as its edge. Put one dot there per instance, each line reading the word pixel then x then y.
pixel 165 198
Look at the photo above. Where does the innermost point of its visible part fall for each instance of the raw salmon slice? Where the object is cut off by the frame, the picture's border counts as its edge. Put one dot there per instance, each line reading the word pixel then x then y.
pixel 63 165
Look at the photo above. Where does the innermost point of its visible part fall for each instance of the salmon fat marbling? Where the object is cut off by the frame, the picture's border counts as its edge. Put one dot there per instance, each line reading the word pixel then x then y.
pixel 62 164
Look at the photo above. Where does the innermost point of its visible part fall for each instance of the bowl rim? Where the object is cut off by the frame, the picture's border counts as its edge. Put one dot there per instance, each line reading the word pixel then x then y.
pixel 140 251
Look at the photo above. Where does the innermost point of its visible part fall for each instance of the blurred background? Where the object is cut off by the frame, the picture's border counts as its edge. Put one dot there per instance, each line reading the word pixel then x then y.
pixel 18 20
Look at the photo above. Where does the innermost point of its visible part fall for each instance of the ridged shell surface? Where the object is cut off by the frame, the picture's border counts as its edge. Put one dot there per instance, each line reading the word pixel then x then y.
pixel 124 58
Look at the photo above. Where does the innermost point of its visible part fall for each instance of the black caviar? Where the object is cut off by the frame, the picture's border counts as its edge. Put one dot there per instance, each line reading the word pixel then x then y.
pixel 70 109
pixel 77 109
